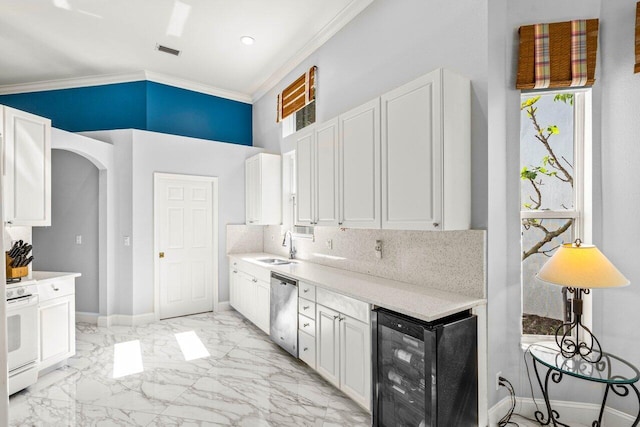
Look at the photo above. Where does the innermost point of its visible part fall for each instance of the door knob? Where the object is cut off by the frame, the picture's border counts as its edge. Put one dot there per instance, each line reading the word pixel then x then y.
pixel 161 255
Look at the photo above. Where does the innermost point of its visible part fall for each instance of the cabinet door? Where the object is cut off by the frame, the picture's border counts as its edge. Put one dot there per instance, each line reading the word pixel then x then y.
pixel 27 168
pixel 360 166
pixel 327 176
pixel 305 179
pixel 327 344
pixel 242 293
pixel 263 297
pixel 252 189
pixel 355 360
pixel 412 155
pixel 57 330
pixel 233 287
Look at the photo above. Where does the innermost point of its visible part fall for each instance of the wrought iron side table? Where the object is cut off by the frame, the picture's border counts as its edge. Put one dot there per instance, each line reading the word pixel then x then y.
pixel 618 375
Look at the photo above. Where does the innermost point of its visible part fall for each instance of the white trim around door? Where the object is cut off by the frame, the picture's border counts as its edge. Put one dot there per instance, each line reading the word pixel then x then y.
pixel 157 176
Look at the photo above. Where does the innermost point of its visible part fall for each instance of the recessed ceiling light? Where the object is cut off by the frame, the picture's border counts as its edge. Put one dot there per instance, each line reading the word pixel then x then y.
pixel 247 40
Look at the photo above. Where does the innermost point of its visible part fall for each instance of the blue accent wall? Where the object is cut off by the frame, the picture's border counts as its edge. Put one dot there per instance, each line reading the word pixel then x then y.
pixel 188 113
pixel 140 105
pixel 114 106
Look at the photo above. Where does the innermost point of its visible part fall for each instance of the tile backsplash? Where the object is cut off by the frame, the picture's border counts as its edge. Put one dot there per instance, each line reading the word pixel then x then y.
pixel 452 261
pixel 244 238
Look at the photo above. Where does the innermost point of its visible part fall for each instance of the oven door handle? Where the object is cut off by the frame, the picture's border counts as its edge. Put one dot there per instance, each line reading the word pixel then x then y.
pixel 21 301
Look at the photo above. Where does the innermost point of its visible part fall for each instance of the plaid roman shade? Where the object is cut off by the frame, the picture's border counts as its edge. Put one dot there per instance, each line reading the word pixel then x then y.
pixel 557 55
pixel 637 66
pixel 298 94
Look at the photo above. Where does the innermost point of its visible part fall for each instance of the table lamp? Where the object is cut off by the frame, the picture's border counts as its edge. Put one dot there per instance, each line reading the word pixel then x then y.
pixel 580 268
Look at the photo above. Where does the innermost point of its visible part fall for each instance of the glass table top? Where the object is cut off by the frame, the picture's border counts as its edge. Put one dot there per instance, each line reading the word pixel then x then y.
pixel 610 369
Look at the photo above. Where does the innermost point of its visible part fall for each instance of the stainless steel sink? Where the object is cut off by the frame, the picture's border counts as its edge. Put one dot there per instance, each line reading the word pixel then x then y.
pixel 275 261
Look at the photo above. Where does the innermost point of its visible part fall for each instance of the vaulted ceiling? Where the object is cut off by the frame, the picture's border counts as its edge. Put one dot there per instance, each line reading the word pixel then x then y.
pixel 43 40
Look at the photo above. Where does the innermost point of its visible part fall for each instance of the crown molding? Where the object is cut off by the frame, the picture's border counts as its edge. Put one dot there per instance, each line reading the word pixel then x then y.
pixel 198 87
pixel 345 16
pixel 98 80
pixel 106 79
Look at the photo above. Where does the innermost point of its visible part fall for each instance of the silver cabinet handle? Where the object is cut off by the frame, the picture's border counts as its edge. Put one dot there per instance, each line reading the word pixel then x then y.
pixel 336 316
pixel 305 325
pixel 306 290
pixel 305 349
pixel 254 280
pixel 436 224
pixel 341 319
pixel 306 307
pixel 54 288
pixel 235 271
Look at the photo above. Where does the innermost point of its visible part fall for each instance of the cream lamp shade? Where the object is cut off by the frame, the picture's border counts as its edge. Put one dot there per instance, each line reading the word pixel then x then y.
pixel 581 266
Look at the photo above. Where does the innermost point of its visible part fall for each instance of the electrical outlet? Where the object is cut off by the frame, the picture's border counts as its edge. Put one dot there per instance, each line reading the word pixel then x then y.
pixel 498 375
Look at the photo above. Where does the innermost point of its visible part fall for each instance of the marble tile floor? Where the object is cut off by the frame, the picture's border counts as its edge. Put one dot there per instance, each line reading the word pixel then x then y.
pixel 245 381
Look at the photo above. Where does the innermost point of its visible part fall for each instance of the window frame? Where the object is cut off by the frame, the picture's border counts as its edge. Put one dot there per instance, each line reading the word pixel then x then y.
pixel 583 193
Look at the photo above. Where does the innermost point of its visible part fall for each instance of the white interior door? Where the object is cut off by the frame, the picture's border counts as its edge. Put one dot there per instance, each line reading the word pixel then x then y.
pixel 184 240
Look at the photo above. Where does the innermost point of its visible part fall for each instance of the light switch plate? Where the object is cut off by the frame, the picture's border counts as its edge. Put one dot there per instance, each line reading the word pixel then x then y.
pixel 127 241
pixel 79 239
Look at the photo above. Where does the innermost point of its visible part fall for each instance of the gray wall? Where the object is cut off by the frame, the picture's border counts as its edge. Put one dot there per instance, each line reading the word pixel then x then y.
pixel 616 310
pixel 74 211
pixel 388 44
pixel 138 154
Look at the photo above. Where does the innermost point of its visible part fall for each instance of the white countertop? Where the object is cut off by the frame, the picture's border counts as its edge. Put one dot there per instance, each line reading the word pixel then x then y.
pixel 412 300
pixel 41 277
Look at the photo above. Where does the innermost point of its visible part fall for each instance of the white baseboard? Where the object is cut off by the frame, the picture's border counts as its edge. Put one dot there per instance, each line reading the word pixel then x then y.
pixel 126 319
pixel 224 306
pixel 575 413
pixel 84 317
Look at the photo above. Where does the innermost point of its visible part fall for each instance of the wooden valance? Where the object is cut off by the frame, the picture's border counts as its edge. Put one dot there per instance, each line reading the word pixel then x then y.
pixel 298 94
pixel 637 67
pixel 560 54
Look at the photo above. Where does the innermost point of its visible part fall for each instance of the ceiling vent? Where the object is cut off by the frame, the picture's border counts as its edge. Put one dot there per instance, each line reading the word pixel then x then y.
pixel 165 49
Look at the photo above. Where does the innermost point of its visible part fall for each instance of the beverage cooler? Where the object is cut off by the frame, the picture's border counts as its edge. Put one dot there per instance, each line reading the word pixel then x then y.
pixel 424 374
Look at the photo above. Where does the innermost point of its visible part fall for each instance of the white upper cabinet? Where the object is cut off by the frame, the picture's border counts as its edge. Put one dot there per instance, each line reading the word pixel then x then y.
pixel 359 153
pixel 426 154
pixel 327 173
pixel 26 167
pixel 317 175
pixel 401 161
pixel 305 146
pixel 263 189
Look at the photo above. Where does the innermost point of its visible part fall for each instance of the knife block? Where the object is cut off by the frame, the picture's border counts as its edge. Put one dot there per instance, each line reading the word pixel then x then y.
pixel 15 272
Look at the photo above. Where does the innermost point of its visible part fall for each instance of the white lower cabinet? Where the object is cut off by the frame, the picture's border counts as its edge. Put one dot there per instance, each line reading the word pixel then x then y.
pixel 57 317
pixel 250 296
pixel 343 348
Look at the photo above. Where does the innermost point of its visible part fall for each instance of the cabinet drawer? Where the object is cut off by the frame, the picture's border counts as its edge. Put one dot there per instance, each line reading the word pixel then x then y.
pixel 350 306
pixel 257 271
pixel 307 325
pixel 307 348
pixel 56 288
pixel 307 291
pixel 307 308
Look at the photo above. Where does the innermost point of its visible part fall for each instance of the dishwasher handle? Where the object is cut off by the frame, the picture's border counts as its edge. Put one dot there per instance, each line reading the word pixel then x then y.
pixel 284 280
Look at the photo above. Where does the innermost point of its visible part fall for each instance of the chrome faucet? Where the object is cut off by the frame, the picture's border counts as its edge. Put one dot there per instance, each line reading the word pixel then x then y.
pixel 292 250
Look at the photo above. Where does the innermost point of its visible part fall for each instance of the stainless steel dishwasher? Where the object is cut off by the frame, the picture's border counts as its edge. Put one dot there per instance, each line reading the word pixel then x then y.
pixel 284 312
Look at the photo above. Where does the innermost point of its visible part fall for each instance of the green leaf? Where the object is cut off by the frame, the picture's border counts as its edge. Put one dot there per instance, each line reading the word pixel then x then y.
pixel 528 174
pixel 567 98
pixel 553 130
pixel 529 102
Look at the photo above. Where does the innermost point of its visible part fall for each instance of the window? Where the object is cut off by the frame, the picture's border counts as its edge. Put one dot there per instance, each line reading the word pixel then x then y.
pixel 555 201
pixel 299 120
